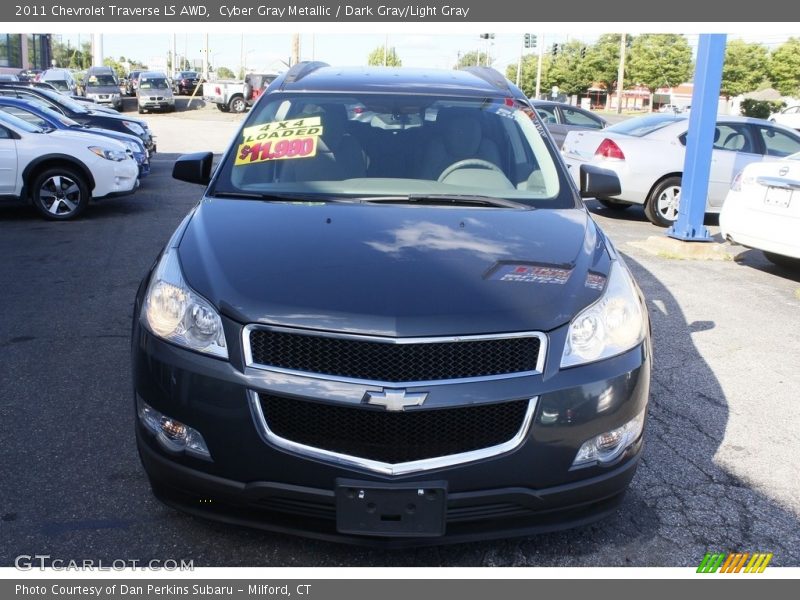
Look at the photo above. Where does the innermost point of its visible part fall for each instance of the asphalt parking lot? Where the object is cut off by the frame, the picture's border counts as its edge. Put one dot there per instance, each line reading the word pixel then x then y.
pixel 719 469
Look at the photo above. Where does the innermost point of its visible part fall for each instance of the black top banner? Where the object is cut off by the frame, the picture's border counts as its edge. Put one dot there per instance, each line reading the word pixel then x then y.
pixel 460 11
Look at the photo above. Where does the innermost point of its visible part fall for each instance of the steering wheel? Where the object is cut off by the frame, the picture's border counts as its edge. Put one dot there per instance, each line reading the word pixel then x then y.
pixel 469 162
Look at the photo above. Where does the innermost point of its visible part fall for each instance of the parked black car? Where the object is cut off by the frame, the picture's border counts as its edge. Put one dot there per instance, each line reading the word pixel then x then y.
pixel 83 114
pixel 405 330
pixel 185 82
pixel 561 118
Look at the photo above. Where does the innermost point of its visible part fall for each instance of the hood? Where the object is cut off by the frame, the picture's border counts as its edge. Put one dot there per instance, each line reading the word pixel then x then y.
pixel 394 270
pixel 69 135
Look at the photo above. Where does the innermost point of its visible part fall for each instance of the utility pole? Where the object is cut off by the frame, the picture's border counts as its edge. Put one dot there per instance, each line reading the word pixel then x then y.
pixel 519 61
pixel 205 57
pixel 621 71
pixel 385 50
pixel 539 67
pixel 295 48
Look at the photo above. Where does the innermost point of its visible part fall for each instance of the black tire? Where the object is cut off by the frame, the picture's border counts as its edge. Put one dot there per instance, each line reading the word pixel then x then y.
pixel 661 208
pixel 60 193
pixel 613 204
pixel 787 262
pixel 141 111
pixel 237 105
pixel 222 107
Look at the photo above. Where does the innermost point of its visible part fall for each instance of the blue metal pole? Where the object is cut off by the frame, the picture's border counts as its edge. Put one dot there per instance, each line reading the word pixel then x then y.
pixel 699 141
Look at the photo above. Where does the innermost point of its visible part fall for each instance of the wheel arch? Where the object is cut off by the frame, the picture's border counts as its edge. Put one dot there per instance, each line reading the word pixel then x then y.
pixel 47 161
pixel 659 181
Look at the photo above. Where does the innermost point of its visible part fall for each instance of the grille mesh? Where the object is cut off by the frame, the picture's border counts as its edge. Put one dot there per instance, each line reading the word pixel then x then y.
pixel 377 361
pixel 393 437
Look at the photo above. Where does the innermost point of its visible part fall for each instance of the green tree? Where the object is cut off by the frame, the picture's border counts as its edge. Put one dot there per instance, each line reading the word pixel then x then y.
pixel 527 78
pixel 71 57
pixel 375 58
pixel 226 73
pixel 659 60
pixel 474 58
pixel 602 61
pixel 119 68
pixel 744 69
pixel 784 67
pixel 567 70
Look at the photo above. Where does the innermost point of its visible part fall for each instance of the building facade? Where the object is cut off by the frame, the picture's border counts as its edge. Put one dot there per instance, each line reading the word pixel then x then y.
pixel 24 51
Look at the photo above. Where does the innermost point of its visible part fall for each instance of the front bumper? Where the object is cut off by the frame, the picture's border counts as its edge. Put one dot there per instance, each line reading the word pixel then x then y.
pixel 530 489
pixel 156 104
pixel 118 179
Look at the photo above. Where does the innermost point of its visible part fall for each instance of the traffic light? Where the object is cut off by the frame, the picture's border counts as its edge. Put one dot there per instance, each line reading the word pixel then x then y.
pixel 530 40
pixel 583 52
pixel 555 50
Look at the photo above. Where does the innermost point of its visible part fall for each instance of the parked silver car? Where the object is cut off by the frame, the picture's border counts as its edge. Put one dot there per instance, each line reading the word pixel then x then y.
pixel 154 92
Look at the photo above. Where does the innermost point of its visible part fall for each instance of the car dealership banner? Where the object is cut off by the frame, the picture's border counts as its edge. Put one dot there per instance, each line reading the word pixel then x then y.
pixel 331 11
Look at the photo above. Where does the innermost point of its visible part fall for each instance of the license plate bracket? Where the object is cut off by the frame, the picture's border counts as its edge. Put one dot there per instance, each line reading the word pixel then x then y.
pixel 778 197
pixel 391 510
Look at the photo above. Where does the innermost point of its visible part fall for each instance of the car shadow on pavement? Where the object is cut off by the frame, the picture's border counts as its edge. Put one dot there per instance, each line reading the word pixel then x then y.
pixel 635 212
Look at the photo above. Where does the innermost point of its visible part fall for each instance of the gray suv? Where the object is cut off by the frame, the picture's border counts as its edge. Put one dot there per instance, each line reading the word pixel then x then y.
pixel 154 92
pixel 101 85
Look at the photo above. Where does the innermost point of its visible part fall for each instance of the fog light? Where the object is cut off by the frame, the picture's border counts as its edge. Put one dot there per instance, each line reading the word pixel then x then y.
pixel 173 435
pixel 607 446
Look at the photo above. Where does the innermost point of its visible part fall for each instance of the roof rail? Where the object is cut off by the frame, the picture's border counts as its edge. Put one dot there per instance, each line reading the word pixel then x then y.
pixel 300 70
pixel 497 79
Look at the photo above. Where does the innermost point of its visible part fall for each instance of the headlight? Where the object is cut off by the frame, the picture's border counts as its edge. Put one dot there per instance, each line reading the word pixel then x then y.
pixel 134 127
pixel 610 326
pixel 174 312
pixel 133 147
pixel 116 155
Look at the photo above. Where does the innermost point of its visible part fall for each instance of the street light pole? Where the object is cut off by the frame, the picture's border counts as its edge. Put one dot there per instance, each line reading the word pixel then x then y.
pixel 539 67
pixel 621 71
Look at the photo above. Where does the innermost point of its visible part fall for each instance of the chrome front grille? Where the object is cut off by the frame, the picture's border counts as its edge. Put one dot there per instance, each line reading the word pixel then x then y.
pixel 393 361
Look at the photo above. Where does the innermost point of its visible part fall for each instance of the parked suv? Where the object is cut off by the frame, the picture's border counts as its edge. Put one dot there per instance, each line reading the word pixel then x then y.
pixel 60 171
pixel 401 330
pixel 101 85
pixel 185 82
pixel 61 79
pixel 154 92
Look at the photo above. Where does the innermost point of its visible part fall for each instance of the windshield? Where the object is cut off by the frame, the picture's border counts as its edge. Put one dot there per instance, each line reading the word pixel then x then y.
pixel 393 145
pixel 101 81
pixel 641 126
pixel 19 123
pixel 188 74
pixel 63 101
pixel 55 115
pixel 59 84
pixel 153 84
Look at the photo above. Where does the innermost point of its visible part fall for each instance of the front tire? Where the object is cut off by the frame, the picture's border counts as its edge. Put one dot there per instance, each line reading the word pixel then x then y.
pixel 662 206
pixel 60 193
pixel 222 107
pixel 237 105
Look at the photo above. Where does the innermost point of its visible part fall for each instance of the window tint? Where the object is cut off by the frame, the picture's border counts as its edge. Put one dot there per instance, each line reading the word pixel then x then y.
pixel 25 115
pixel 735 137
pixel 5 134
pixel 547 114
pixel 779 143
pixel 576 117
pixel 641 126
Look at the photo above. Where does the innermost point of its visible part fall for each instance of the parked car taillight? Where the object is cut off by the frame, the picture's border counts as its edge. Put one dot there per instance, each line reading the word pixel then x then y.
pixel 736 184
pixel 218 91
pixel 609 149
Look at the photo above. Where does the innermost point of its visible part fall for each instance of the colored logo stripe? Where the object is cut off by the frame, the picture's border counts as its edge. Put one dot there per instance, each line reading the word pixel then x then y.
pixel 734 562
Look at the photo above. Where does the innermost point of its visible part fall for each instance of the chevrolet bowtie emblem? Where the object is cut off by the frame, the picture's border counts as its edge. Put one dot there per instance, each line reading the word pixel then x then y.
pixel 395 400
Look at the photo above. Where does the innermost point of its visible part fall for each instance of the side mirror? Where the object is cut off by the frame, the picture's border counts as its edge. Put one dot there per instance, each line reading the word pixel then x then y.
pixel 194 168
pixel 597 182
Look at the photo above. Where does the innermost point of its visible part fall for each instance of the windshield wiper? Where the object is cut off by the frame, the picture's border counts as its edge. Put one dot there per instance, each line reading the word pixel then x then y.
pixel 449 199
pixel 281 196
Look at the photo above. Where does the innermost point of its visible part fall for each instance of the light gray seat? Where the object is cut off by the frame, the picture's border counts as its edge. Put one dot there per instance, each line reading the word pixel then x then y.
pixel 459 138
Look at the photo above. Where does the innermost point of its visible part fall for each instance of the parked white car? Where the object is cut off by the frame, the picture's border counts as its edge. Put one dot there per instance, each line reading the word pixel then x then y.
pixel 762 210
pixel 60 171
pixel 789 117
pixel 647 153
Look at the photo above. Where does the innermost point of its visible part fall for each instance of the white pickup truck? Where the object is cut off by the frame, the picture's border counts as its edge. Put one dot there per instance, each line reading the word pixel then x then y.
pixel 236 96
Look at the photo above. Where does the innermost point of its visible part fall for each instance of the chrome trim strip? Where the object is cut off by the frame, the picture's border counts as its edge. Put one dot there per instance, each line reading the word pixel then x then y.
pixel 778 182
pixel 406 468
pixel 248 354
